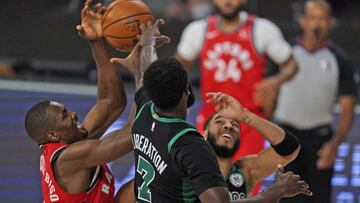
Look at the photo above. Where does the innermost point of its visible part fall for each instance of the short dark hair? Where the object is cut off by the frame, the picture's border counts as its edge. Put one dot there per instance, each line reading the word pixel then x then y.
pixel 165 82
pixel 36 121
pixel 323 2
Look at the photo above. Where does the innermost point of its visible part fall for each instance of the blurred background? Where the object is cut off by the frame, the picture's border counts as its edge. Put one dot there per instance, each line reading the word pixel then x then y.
pixel 42 57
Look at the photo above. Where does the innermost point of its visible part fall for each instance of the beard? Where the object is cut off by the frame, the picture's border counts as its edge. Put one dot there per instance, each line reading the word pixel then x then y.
pixel 230 16
pixel 223 151
pixel 81 134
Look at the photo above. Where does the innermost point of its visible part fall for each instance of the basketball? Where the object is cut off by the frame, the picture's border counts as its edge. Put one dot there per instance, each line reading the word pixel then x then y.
pixel 121 23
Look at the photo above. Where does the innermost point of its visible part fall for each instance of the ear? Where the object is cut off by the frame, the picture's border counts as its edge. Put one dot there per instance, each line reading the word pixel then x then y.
pixel 53 137
pixel 205 134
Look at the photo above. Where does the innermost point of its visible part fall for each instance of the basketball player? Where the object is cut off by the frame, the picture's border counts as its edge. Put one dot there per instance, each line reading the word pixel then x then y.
pixel 233 47
pixel 72 164
pixel 173 162
pixel 222 131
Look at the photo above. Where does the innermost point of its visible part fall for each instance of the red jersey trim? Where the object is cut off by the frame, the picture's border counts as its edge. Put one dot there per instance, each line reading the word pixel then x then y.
pixel 250 19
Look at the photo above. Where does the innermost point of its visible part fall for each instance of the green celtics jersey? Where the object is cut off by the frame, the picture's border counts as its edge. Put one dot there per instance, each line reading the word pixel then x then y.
pixel 236 183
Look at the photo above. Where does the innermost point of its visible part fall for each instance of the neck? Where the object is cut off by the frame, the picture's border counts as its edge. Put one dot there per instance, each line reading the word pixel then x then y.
pixel 229 25
pixel 172 113
pixel 311 43
pixel 225 165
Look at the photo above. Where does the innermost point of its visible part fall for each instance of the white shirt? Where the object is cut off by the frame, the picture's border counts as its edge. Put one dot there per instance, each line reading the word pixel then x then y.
pixel 268 39
pixel 306 101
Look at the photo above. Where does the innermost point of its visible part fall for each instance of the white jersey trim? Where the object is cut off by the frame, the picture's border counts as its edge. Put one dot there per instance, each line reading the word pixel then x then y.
pixel 271 44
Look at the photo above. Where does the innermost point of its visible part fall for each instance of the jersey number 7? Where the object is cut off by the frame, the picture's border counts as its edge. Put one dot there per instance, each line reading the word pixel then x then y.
pixel 147 172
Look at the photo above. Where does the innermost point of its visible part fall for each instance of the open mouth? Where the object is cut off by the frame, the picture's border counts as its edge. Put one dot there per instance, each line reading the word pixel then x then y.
pixel 227 135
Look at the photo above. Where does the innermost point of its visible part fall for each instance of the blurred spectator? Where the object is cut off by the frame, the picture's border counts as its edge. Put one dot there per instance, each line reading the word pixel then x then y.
pixel 233 46
pixel 188 10
pixel 177 14
pixel 305 103
pixel 6 71
pixel 18 68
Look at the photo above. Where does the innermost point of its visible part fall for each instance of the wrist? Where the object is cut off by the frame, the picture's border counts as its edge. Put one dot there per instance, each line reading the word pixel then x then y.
pixel 148 42
pixel 281 78
pixel 97 42
pixel 245 116
pixel 277 190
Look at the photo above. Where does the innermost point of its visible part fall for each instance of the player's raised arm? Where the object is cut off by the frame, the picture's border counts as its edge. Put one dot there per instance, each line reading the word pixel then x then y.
pixel 144 52
pixel 111 98
pixel 91 153
pixel 285 146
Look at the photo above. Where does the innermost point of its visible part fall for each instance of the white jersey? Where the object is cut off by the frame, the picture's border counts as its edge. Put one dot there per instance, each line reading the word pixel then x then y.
pixel 268 39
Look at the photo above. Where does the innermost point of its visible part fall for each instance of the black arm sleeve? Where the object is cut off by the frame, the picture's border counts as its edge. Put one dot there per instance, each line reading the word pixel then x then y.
pixel 140 98
pixel 347 83
pixel 195 158
pixel 288 145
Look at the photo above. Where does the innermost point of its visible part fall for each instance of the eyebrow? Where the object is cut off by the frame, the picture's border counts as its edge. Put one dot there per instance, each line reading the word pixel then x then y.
pixel 220 117
pixel 217 117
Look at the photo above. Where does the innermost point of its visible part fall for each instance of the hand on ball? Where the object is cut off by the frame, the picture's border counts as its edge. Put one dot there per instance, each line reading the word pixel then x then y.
pixel 91 19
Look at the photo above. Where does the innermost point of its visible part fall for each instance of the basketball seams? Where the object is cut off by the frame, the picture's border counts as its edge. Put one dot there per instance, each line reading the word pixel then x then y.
pixel 139 14
pixel 110 36
pixel 111 7
pixel 120 21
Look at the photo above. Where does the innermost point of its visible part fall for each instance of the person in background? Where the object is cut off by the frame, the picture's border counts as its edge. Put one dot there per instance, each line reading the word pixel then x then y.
pixel 305 104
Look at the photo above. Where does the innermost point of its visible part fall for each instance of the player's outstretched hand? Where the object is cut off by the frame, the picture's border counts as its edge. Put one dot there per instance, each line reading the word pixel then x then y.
pixel 131 62
pixel 290 184
pixel 91 17
pixel 227 106
pixel 151 36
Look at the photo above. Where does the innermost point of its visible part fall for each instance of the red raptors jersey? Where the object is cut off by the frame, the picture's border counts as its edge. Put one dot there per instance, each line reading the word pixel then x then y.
pixel 101 188
pixel 230 64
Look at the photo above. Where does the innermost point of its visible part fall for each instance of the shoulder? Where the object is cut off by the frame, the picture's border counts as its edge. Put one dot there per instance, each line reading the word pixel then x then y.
pixel 339 52
pixel 186 136
pixel 198 25
pixel 51 149
pixel 262 24
pixel 343 60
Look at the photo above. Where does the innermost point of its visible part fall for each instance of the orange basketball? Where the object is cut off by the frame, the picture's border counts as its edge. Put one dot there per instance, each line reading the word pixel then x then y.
pixel 121 23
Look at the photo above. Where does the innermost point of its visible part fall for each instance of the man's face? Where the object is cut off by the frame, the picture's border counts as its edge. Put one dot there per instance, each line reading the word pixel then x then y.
pixel 229 9
pixel 316 21
pixel 66 124
pixel 223 134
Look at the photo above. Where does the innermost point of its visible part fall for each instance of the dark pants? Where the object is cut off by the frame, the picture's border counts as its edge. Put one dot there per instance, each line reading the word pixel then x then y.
pixel 305 165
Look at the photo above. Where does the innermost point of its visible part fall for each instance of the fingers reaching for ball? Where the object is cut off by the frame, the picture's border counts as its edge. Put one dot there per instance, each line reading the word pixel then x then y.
pixel 150 34
pixel 91 17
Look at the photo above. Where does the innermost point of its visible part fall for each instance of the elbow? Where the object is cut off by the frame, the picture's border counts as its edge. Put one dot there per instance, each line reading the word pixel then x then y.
pixel 291 157
pixel 289 146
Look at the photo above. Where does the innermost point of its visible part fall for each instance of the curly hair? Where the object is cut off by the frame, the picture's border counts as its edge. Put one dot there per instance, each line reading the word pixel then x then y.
pixel 165 82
